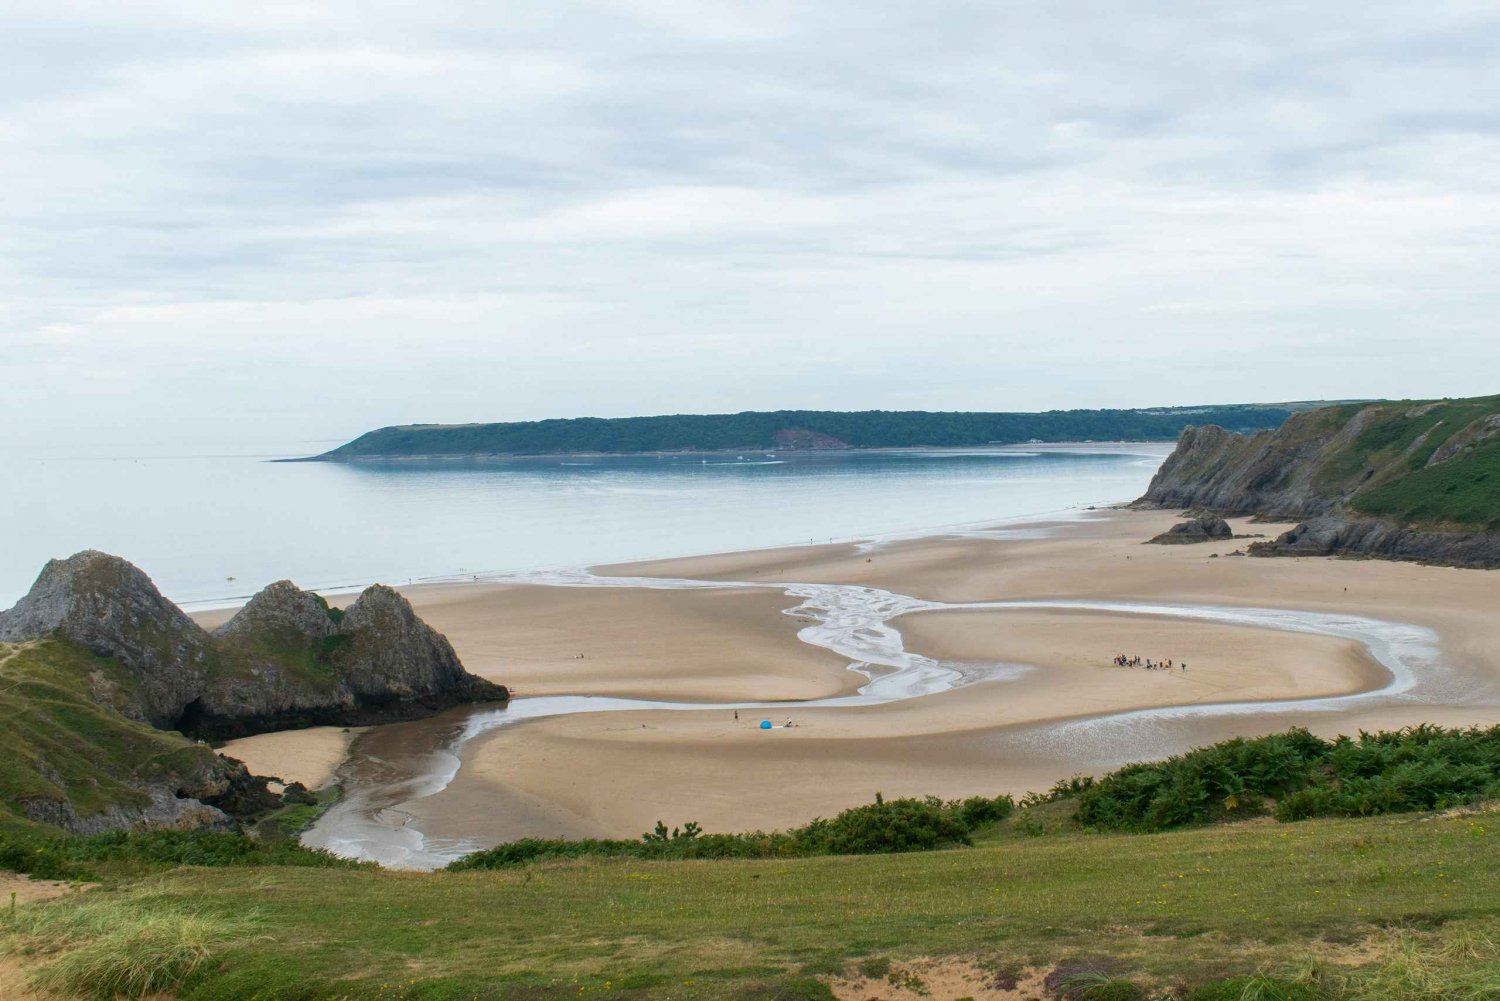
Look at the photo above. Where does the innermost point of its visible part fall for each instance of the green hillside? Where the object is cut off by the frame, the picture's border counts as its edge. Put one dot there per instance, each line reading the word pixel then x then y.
pixel 64 755
pixel 1433 463
pixel 1451 460
pixel 791 428
pixel 1386 908
pixel 1057 895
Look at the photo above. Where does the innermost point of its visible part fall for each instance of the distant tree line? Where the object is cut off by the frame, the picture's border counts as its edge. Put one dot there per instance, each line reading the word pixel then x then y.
pixel 757 430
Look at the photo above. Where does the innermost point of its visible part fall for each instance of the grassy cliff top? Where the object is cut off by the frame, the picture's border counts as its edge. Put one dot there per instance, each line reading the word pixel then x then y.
pixel 1425 463
pixel 792 428
pixel 1432 462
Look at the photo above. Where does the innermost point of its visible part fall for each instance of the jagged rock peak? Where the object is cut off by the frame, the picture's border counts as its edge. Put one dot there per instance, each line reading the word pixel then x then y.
pixel 389 651
pixel 86 583
pixel 283 611
pixel 287 662
pixel 382 607
pixel 110 606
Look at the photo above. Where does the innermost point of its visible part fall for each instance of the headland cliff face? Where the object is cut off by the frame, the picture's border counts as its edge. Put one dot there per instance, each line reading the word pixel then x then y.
pixel 1414 481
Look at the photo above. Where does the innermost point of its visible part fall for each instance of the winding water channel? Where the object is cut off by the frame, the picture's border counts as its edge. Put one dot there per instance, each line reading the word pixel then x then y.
pixel 393 766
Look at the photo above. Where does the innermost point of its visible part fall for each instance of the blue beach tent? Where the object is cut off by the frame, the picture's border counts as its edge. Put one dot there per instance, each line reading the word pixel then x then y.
pixel 765 724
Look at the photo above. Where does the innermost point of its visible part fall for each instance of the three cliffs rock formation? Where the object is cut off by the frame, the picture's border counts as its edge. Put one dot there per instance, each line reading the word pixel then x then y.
pixel 286 660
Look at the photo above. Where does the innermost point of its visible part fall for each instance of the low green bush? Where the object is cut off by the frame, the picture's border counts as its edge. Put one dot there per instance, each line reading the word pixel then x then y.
pixel 70 857
pixel 898 825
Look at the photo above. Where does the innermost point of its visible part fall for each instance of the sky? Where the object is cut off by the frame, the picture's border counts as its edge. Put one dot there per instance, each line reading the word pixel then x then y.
pixel 236 222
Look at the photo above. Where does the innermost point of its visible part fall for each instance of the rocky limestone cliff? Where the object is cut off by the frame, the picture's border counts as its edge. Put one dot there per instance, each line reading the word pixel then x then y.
pixel 288 660
pixel 100 668
pixel 284 661
pixel 1413 481
pixel 1271 472
pixel 197 790
pixel 111 608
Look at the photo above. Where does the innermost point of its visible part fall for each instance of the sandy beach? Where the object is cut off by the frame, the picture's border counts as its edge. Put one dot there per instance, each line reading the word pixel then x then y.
pixel 310 756
pixel 715 645
pixel 617 773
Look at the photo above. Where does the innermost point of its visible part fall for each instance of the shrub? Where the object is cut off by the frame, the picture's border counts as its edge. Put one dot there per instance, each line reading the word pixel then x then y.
pixel 70 857
pixel 899 825
pixel 1421 768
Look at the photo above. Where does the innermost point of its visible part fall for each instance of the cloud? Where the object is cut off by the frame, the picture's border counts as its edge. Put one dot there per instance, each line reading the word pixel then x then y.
pixel 392 212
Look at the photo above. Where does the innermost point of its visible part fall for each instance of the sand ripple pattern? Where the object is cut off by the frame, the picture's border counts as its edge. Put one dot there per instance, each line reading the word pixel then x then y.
pixel 856 623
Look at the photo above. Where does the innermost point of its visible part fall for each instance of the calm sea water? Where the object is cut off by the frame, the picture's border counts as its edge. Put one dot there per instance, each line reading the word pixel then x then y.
pixel 214 527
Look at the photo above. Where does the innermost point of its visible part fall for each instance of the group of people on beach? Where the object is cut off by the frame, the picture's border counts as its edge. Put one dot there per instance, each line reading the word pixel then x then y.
pixel 1131 660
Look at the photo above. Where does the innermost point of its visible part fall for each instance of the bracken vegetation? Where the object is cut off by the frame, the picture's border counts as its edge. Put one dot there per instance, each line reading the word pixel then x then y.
pixel 1297 775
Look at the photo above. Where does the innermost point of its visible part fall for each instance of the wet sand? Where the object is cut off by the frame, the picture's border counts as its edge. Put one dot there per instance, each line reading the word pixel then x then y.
pixel 310 756
pixel 688 646
pixel 620 772
pixel 616 773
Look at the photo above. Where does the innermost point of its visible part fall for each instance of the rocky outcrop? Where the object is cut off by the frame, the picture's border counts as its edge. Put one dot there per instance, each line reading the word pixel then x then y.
pixel 111 655
pixel 1346 536
pixel 111 608
pixel 280 614
pixel 286 660
pixel 1271 472
pixel 1203 528
pixel 197 790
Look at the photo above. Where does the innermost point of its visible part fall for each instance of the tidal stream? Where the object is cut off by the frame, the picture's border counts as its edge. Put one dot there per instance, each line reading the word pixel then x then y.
pixel 393 766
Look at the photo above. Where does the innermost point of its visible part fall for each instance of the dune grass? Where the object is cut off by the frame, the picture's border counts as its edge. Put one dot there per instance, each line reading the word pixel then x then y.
pixel 1190 913
pixel 102 946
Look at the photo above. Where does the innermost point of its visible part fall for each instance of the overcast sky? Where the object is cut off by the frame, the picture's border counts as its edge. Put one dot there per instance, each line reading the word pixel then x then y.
pixel 246 221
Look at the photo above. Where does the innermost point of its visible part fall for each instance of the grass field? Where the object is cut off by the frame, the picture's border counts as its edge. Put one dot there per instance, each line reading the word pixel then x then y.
pixel 1399 898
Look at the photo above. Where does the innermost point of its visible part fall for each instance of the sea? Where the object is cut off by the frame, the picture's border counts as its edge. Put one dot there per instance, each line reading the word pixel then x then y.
pixel 213 525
